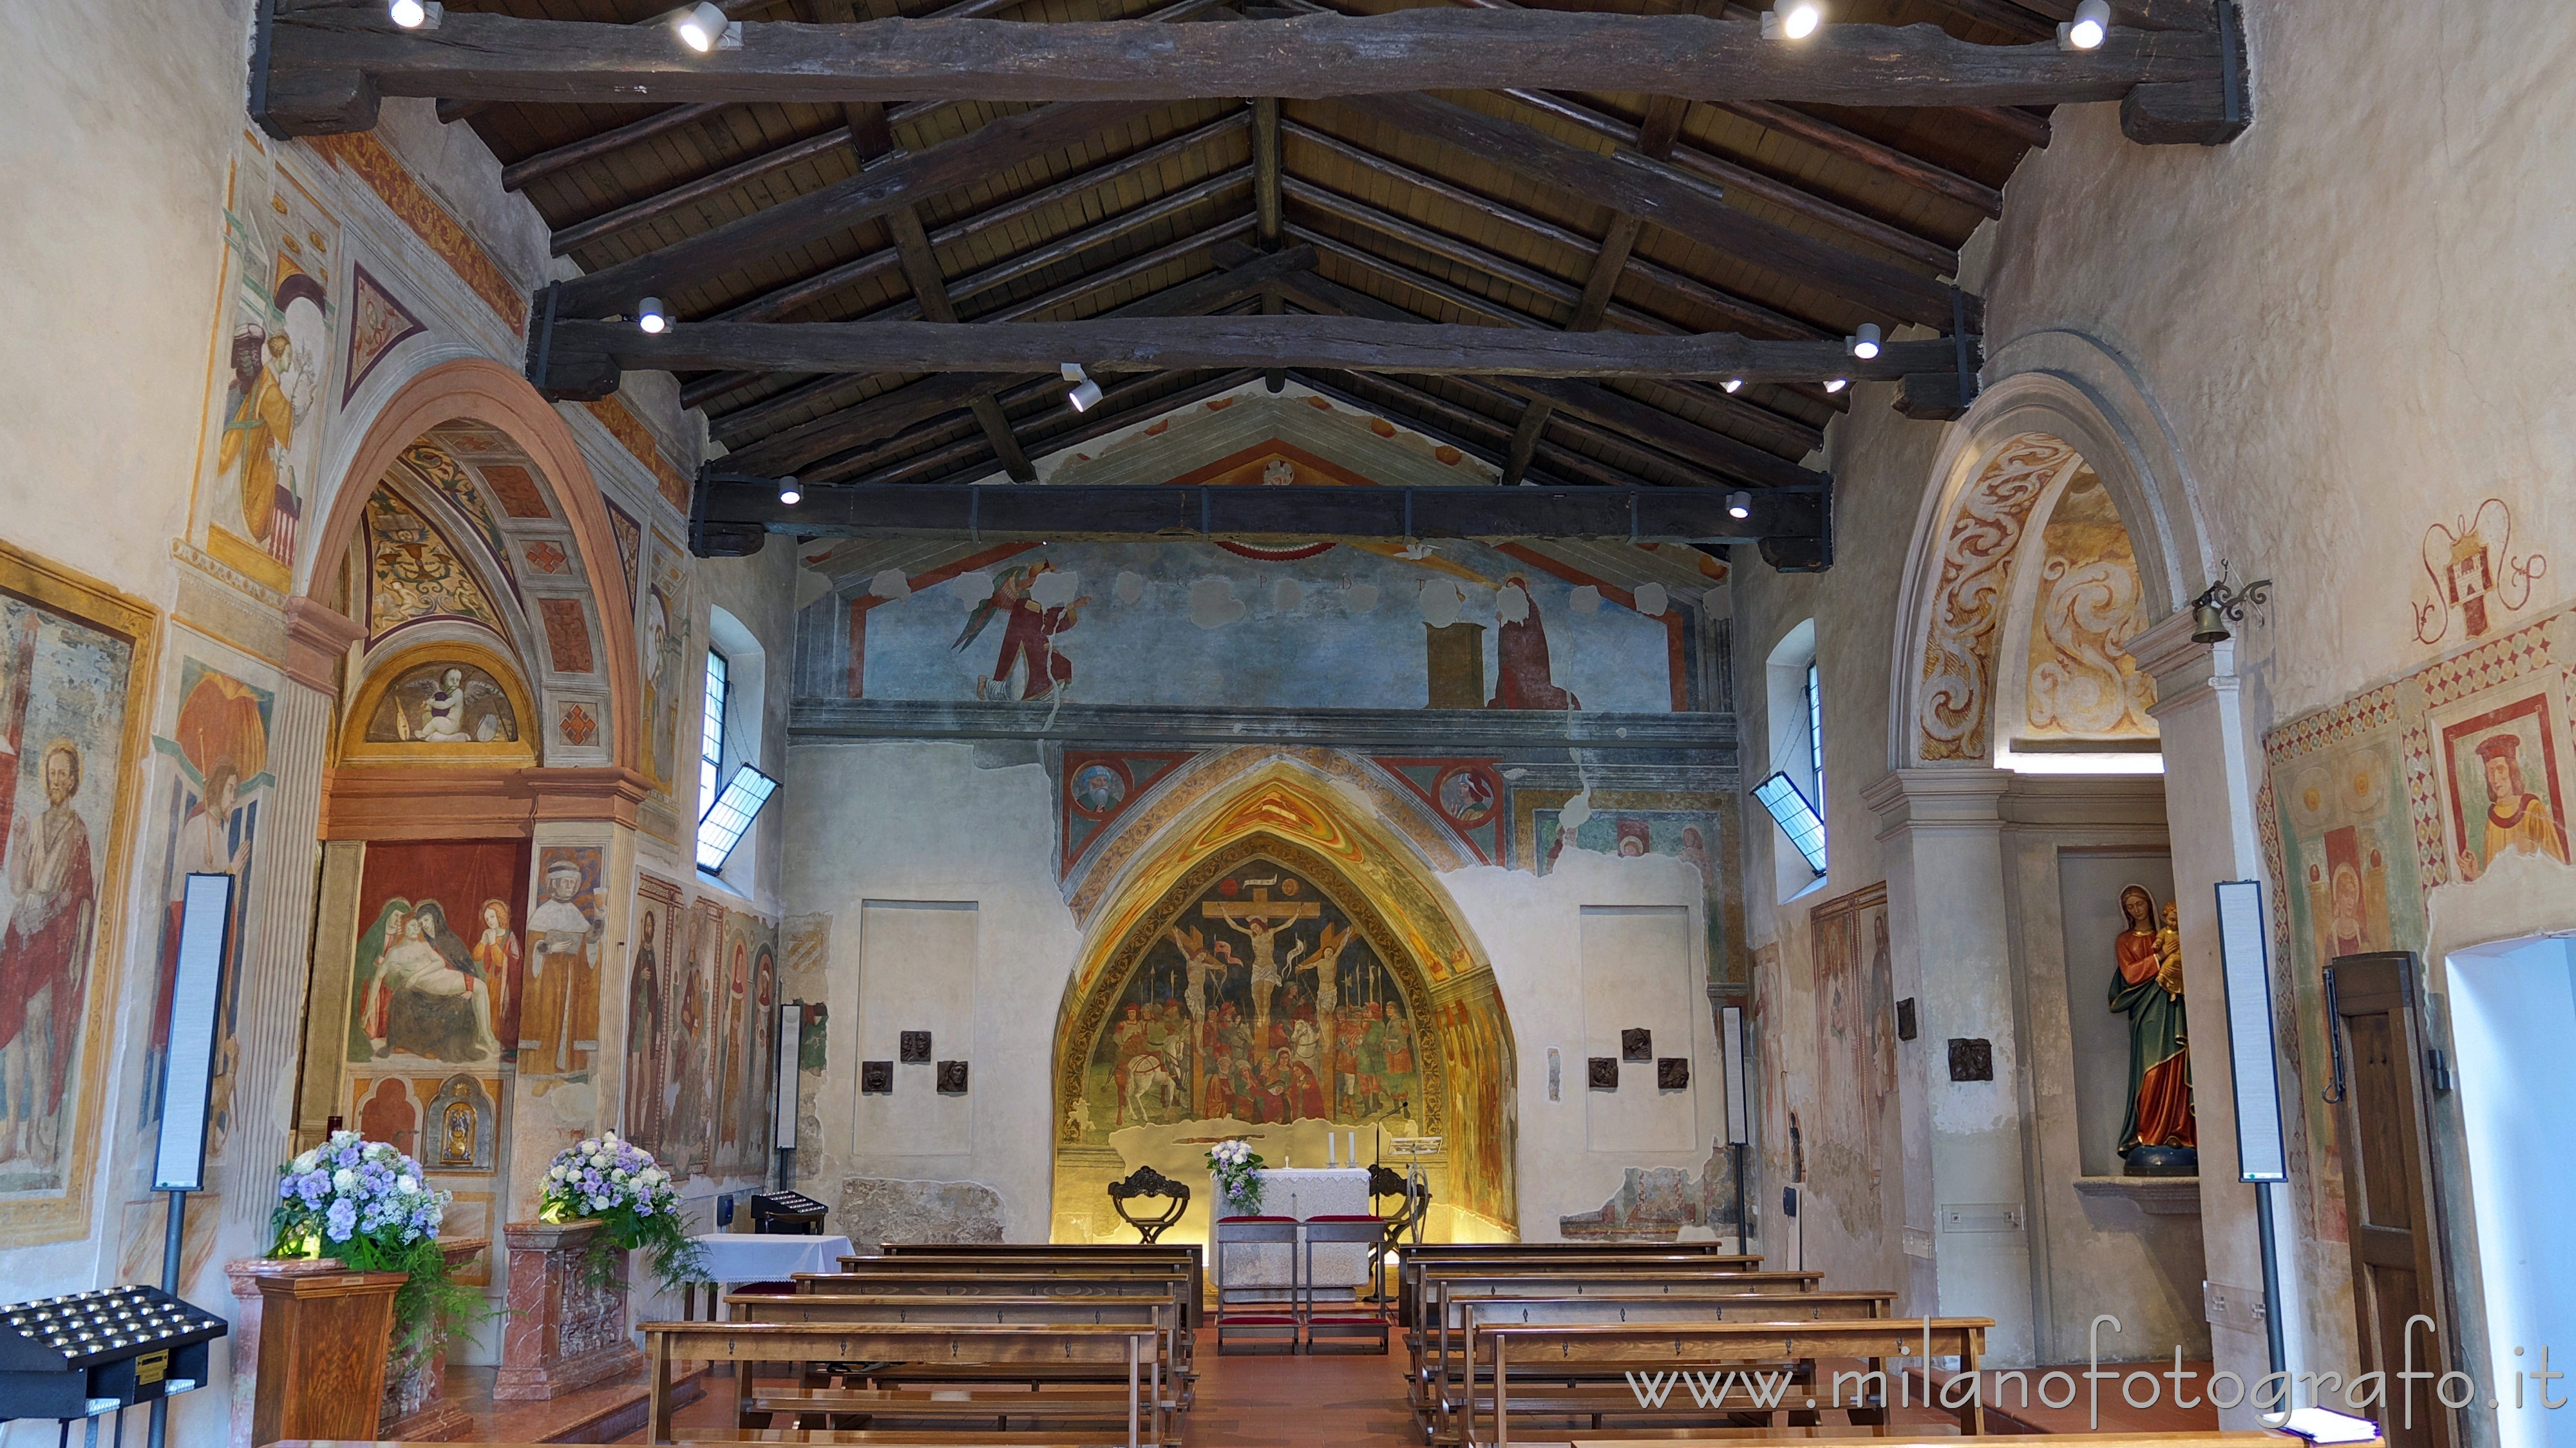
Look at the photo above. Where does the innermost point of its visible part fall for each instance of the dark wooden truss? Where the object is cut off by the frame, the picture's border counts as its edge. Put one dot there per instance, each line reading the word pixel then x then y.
pixel 1614 250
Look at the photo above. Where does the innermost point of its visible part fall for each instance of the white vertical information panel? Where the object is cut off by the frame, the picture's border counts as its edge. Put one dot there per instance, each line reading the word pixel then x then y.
pixel 2245 963
pixel 1730 1046
pixel 791 1040
pixel 205 924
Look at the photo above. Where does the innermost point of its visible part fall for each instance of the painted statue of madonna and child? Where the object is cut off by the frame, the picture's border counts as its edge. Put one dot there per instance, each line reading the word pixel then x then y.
pixel 2160 1136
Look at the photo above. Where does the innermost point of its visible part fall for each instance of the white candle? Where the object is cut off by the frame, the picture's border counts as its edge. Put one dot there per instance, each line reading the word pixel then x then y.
pixel 1332 1150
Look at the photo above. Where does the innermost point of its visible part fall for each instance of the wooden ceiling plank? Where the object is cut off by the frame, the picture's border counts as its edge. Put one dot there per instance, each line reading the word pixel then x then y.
pixel 1795 200
pixel 714 183
pixel 871 195
pixel 1739 313
pixel 495 57
pixel 1658 193
pixel 1104 418
pixel 770 306
pixel 1877 155
pixel 545 163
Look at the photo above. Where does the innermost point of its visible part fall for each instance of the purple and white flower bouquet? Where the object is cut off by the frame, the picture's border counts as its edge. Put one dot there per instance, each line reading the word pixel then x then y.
pixel 369 1205
pixel 1237 1169
pixel 636 1202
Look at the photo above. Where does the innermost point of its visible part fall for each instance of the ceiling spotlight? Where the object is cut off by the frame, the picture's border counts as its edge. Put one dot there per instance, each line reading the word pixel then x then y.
pixel 2090 27
pixel 701 27
pixel 1836 384
pixel 413 14
pixel 1739 505
pixel 650 316
pixel 1863 343
pixel 1733 384
pixel 789 493
pixel 1792 20
pixel 1085 392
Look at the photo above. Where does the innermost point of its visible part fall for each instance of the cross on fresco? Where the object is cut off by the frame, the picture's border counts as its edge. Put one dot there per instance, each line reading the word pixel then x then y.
pixel 1266 1008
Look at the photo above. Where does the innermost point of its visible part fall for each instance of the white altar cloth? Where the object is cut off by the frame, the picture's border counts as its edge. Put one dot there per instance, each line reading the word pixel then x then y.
pixel 1301 1192
pixel 734 1258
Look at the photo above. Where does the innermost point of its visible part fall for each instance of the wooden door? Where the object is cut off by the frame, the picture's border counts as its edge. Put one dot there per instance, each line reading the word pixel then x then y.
pixel 2388 1189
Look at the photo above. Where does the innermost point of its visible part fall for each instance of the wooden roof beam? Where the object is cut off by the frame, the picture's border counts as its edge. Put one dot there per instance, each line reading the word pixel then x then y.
pixel 922 270
pixel 1692 444
pixel 728 503
pixel 1119 406
pixel 733 424
pixel 884 416
pixel 325 69
pixel 1186 343
pixel 1655 137
pixel 1659 193
pixel 1780 430
pixel 1790 198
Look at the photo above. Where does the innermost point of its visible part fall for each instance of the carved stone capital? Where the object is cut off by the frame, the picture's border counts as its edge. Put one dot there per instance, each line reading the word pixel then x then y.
pixel 317 639
pixel 2182 667
pixel 1937 797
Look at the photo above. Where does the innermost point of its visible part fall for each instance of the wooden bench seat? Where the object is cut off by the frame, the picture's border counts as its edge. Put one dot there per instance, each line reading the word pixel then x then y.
pixel 1545 1353
pixel 1159 1312
pixel 1034 1350
pixel 1416 1263
pixel 1162 1281
pixel 1441 1361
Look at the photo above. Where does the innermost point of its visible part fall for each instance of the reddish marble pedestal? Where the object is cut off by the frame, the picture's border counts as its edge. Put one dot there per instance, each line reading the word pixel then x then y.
pixel 416 1409
pixel 563 1333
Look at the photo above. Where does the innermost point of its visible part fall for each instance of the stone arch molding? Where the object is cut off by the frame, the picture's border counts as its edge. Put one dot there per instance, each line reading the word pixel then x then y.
pixel 1286 810
pixel 2059 400
pixel 473 392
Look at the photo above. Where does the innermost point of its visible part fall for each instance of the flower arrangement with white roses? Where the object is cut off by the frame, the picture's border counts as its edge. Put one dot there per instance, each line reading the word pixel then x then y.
pixel 366 1204
pixel 636 1202
pixel 1236 1167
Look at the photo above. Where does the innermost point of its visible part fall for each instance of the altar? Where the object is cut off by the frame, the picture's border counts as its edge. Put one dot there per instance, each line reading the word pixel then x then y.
pixel 1301 1192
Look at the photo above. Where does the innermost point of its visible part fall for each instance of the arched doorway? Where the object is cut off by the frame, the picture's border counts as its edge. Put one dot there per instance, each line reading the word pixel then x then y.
pixel 2031 866
pixel 1276 968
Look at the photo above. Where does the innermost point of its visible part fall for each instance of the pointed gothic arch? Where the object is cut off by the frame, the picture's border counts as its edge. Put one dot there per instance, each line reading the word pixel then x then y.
pixel 1145 1031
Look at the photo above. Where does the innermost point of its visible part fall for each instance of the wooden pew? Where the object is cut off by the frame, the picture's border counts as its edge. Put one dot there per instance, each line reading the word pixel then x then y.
pixel 1136 1251
pixel 1549 1352
pixel 1160 1312
pixel 885 1277
pixel 1070 1263
pixel 1025 1348
pixel 1551 1256
pixel 1439 1349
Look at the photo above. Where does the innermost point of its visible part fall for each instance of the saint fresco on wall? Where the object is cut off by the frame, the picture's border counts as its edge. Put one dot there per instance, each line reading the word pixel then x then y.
pixel 666 634
pixel 2503 769
pixel 218 791
pixel 440 961
pixel 1260 1004
pixel 559 1028
pixel 659 925
pixel 264 429
pixel 65 684
pixel 1855 1004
